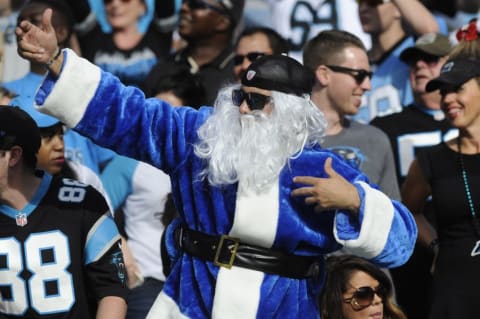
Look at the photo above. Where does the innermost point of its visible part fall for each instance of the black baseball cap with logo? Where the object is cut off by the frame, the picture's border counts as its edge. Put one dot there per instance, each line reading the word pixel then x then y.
pixel 454 73
pixel 279 73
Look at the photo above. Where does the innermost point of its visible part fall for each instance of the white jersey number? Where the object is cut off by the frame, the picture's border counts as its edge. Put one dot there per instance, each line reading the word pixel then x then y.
pixel 409 142
pixel 73 192
pixel 306 21
pixel 46 258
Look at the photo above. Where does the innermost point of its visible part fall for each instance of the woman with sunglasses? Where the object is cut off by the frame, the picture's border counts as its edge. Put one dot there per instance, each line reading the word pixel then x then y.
pixel 357 289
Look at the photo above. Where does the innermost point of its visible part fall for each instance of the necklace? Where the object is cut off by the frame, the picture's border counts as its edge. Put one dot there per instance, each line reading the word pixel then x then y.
pixel 473 213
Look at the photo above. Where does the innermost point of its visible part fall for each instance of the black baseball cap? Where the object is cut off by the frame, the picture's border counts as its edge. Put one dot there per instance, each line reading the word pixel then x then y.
pixel 279 73
pixel 455 72
pixel 18 128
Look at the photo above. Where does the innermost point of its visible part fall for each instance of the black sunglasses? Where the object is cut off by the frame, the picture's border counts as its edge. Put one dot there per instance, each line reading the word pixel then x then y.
pixel 363 296
pixel 358 74
pixel 255 101
pixel 110 1
pixel 200 5
pixel 371 3
pixel 425 57
pixel 251 56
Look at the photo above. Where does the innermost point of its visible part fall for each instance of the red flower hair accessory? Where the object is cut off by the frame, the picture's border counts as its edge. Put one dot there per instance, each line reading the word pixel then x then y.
pixel 468 32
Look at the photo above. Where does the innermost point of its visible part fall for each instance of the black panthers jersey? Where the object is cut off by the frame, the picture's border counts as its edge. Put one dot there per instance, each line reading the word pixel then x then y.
pixel 59 253
pixel 411 129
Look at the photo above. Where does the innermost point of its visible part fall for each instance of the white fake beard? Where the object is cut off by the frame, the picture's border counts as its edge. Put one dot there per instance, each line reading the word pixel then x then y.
pixel 252 148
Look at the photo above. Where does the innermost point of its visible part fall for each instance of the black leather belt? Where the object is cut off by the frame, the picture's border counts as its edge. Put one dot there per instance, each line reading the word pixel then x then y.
pixel 225 251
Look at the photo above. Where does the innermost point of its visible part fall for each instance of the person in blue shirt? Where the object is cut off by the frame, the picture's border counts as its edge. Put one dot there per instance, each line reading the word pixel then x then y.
pixel 385 22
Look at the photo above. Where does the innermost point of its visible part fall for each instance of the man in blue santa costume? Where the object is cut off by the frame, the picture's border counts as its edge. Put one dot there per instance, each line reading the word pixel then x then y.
pixel 254 227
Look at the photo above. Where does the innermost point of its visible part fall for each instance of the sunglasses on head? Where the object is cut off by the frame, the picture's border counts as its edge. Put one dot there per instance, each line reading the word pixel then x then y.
pixel 255 101
pixel 110 1
pixel 200 5
pixel 371 3
pixel 358 74
pixel 363 296
pixel 251 56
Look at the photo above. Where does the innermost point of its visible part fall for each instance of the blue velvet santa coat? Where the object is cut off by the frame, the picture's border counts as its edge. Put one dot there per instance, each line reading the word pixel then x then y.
pixel 98 105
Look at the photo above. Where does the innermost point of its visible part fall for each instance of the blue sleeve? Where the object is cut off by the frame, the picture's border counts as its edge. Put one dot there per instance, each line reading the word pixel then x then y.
pixel 117 179
pixel 150 130
pixel 119 117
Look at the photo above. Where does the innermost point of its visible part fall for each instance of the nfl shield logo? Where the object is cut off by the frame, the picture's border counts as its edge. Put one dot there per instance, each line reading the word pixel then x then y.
pixel 21 219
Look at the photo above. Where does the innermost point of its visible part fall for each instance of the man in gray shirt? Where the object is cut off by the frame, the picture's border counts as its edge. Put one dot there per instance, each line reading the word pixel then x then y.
pixel 342 75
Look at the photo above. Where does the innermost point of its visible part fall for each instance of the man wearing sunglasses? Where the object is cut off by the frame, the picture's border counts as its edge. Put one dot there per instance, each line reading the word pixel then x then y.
pixel 253 43
pixel 420 124
pixel 392 25
pixel 208 27
pixel 342 76
pixel 252 231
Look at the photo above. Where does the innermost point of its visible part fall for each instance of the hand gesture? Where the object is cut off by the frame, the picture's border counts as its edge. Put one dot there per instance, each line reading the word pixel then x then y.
pixel 332 192
pixel 37 44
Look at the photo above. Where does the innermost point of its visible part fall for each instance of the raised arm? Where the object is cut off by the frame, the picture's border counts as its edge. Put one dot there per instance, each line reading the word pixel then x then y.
pixel 418 18
pixel 96 104
pixel 40 44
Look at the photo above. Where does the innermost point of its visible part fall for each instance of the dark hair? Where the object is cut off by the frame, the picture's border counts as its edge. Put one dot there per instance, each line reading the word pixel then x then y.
pixel 18 128
pixel 339 272
pixel 16 4
pixel 325 48
pixel 277 43
pixel 178 80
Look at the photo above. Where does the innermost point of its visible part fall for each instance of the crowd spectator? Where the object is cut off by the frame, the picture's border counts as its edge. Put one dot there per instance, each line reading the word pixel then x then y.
pixel 58 238
pixel 141 197
pixel 355 289
pixel 51 154
pixel 138 193
pixel 226 174
pixel 177 86
pixel 421 123
pixel 253 43
pixel 449 173
pixel 122 47
pixel 392 26
pixel 342 75
pixel 299 21
pixel 208 28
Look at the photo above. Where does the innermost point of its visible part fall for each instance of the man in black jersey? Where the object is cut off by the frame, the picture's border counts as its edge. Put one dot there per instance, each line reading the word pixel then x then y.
pixel 420 124
pixel 59 251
